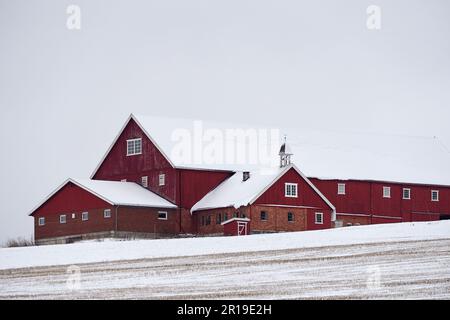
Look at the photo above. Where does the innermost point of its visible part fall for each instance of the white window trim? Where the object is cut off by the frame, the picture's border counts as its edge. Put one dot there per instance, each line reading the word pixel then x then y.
pixel 61 216
pixel 288 184
pixel 321 218
pixel 341 189
pixel 83 216
pixel 437 195
pixel 388 193
pixel 165 213
pixel 134 153
pixel 144 181
pixel 41 223
pixel 409 194
pixel 107 216
pixel 162 179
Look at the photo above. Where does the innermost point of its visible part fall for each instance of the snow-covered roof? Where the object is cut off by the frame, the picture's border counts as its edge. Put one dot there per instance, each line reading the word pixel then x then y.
pixel 234 192
pixel 325 154
pixel 117 193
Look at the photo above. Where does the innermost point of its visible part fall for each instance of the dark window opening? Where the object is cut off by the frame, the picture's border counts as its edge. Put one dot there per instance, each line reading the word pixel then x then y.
pixel 290 216
pixel 263 216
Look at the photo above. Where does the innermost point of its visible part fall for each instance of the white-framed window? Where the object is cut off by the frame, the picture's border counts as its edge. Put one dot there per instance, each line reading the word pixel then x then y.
pixel 41 221
pixel 162 179
pixel 134 146
pixel 162 215
pixel 107 213
pixel 341 188
pixel 290 190
pixel 319 218
pixel 85 216
pixel 406 193
pixel 386 192
pixel 144 181
pixel 62 218
pixel 74 215
pixel 434 195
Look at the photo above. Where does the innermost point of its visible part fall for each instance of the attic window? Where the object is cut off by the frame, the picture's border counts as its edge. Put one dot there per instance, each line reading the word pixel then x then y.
pixel 290 190
pixel 134 147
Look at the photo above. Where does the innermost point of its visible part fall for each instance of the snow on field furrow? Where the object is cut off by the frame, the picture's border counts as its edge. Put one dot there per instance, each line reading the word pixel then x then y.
pixel 407 270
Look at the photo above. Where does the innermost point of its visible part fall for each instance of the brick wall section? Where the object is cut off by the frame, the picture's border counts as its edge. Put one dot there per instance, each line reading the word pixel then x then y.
pixel 214 227
pixel 277 219
pixel 135 219
pixel 73 226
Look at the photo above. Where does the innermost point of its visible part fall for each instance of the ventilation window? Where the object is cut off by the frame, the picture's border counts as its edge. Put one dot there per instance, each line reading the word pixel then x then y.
pixel 144 181
pixel 162 179
pixel 406 193
pixel 341 188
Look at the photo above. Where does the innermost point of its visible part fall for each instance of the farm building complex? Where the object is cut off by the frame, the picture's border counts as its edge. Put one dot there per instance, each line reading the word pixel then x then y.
pixel 138 190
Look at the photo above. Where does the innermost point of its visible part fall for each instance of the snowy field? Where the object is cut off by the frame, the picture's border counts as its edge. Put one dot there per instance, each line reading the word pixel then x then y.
pixel 407 260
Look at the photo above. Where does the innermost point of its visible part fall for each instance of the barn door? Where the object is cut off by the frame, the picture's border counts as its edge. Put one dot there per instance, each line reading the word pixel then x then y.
pixel 242 228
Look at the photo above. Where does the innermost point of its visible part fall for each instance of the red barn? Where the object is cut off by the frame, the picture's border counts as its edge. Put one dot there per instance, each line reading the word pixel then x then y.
pixel 138 190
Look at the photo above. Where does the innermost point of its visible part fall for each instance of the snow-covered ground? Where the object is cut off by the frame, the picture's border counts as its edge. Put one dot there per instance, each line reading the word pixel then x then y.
pixel 407 260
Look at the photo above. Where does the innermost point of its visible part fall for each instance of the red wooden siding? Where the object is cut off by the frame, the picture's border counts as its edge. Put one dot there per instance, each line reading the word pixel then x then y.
pixel 70 198
pixel 366 197
pixel 195 184
pixel 306 197
pixel 117 165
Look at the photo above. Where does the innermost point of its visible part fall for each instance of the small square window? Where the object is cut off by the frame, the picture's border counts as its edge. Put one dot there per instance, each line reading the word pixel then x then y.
pixel 434 195
pixel 263 216
pixel 162 215
pixel 62 218
pixel 386 192
pixel 134 147
pixel 107 213
pixel 341 188
pixel 144 181
pixel 290 217
pixel 290 190
pixel 85 216
pixel 162 179
pixel 319 218
pixel 406 193
pixel 41 221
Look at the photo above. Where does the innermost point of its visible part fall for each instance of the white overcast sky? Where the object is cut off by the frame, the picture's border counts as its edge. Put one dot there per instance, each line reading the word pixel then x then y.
pixel 65 94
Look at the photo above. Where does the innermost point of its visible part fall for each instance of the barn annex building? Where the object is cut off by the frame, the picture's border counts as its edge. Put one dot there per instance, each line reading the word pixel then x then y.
pixel 138 191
